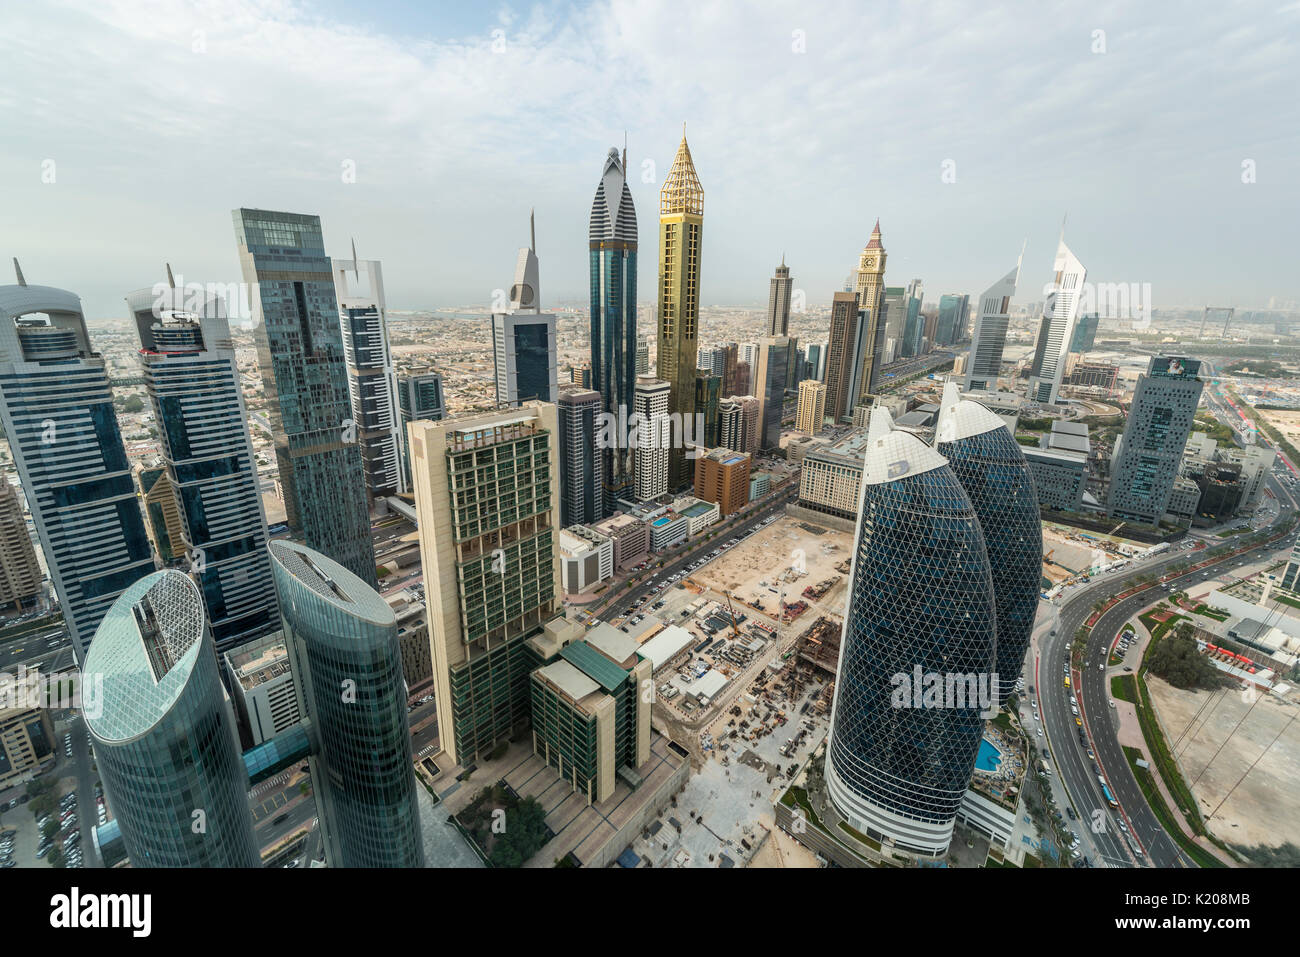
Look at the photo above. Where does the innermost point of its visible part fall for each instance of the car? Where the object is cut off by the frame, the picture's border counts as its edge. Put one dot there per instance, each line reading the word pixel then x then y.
pixel 1040 732
pixel 43 850
pixel 1122 826
pixel 1070 811
pixel 1091 756
pixel 1079 722
pixel 1111 702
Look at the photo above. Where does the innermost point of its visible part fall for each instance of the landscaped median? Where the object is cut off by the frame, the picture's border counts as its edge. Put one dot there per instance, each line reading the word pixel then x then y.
pixel 1156 801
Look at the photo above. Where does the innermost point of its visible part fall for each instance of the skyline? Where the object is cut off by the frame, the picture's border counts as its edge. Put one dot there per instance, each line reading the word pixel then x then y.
pixel 453 143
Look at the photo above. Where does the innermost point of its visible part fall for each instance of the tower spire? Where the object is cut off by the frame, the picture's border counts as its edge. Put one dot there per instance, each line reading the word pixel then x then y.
pixel 18 271
pixel 532 232
pixel 171 280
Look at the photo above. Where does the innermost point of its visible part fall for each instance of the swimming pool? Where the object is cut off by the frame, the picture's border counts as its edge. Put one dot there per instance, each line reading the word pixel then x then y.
pixel 989 757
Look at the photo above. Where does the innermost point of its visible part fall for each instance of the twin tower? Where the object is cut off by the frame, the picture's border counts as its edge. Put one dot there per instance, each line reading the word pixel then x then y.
pixel 945 582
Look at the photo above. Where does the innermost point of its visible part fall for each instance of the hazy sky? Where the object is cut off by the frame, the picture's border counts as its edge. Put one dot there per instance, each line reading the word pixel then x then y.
pixel 806 120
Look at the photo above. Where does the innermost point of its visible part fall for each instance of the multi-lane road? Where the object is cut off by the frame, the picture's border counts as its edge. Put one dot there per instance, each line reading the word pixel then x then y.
pixel 1079 773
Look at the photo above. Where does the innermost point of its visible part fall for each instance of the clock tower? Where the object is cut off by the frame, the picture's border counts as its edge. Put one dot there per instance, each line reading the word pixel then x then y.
pixel 871 297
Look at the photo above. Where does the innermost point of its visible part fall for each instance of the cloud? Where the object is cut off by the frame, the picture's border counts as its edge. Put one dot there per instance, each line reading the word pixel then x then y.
pixel 805 124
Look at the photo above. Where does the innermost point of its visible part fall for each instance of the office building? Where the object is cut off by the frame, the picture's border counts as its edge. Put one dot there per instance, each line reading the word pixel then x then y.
pixel 586 558
pixel 262 687
pixel 642 356
pixel 774 356
pixel 831 478
pixel 487 496
pixel 722 476
pixel 305 381
pixel 989 337
pixel 419 396
pixel 738 423
pixel 1291 574
pixel 162 514
pixel 615 346
pixel 165 742
pixel 372 380
pixel 778 301
pixel 1056 329
pixel 629 535
pixel 815 361
pixel 1148 454
pixel 1222 489
pixel 578 413
pixel 1256 462
pixel 1094 375
pixel 984 455
pixel 347 669
pixel 654 437
pixel 741 379
pixel 914 323
pixel 20 573
pixel 1085 333
pixel 681 221
pixel 590 719
pixel 731 358
pixel 920 606
pixel 708 395
pixel 191 374
pixel 56 407
pixel 954 315
pixel 811 415
pixel 840 398
pixel 1060 477
pixel 523 341
pixel 870 341
pixel 26 727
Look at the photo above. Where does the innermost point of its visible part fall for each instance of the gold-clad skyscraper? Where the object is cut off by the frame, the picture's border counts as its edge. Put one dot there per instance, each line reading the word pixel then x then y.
pixel 681 221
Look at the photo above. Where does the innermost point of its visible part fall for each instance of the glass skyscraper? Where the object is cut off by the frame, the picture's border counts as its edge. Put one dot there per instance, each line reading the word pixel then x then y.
pixel 987 460
pixel 920 608
pixel 304 373
pixel 56 406
pixel 580 491
pixel 347 668
pixel 612 242
pixel 953 312
pixel 165 741
pixel 419 396
pixel 192 377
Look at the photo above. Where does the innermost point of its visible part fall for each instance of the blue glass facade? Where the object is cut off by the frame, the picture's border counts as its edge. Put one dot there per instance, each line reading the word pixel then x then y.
pixel 165 744
pixel 920 603
pixel 347 668
pixel 992 469
pixel 304 373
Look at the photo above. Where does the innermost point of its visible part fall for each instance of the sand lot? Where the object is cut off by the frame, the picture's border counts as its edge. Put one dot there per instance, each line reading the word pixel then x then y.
pixel 769 553
pixel 1265 807
pixel 1285 421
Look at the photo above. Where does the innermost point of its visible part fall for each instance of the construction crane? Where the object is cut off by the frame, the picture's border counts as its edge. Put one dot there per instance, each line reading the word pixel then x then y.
pixel 735 629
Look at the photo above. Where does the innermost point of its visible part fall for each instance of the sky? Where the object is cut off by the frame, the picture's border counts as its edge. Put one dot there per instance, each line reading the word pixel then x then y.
pixel 1168 132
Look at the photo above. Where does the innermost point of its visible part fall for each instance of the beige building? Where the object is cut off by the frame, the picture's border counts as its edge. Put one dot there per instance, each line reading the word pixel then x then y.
pixel 20 573
pixel 871 300
pixel 812 406
pixel 487 496
pixel 831 478
pixel 26 731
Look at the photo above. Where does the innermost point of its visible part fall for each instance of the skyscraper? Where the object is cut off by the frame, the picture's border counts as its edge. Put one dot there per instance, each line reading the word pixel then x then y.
pixel 652 402
pixel 870 287
pixel 578 411
pixel 738 423
pixel 304 376
pixel 778 301
pixel 419 396
pixel 1085 333
pixel 1055 331
pixel 774 355
pixel 920 608
pixel 372 380
pixel 914 324
pixel 953 317
pixel 812 406
pixel 839 356
pixel 57 410
pixel 722 476
pixel 615 347
pixel 162 514
pixel 191 375
pixel 1148 454
pixel 708 395
pixel 642 355
pixel 681 220
pixel 487 496
pixel 165 742
pixel 989 338
pixel 347 669
pixel 985 457
pixel 523 340
pixel 894 318
pixel 20 573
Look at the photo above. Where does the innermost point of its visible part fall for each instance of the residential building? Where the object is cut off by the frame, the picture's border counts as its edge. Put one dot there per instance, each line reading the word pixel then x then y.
pixel 738 423
pixel 831 478
pixel 630 538
pixel 26 728
pixel 654 437
pixel 866 357
pixel 579 413
pixel 586 558
pixel 20 573
pixel 708 396
pixel 840 399
pixel 811 415
pixel 778 301
pixel 419 396
pixel 774 357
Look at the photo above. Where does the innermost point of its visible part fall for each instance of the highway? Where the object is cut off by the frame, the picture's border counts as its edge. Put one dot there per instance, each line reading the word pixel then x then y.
pixel 1079 772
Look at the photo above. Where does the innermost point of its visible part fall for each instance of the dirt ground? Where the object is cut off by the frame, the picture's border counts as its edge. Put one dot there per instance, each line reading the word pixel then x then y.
pixel 1286 421
pixel 1265 807
pixel 770 553
pixel 780 849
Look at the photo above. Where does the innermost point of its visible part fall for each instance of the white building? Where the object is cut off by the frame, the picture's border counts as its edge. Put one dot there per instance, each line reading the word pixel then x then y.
pixel 586 558
pixel 263 684
pixel 523 340
pixel 1060 313
pixel 654 437
pixel 989 338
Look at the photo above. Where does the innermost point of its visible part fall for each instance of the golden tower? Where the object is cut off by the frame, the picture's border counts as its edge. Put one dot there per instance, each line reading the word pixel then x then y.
pixel 871 297
pixel 681 220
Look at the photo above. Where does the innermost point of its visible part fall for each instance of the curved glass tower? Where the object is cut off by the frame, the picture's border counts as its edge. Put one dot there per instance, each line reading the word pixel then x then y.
pixel 987 460
pixel 164 738
pixel 920 612
pixel 347 666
